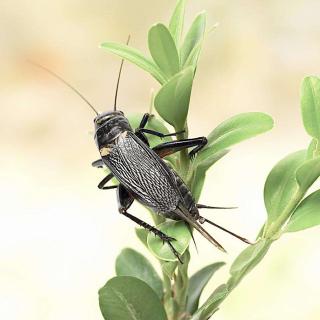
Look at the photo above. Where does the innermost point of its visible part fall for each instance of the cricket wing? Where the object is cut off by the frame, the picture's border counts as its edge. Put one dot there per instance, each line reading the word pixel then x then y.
pixel 143 173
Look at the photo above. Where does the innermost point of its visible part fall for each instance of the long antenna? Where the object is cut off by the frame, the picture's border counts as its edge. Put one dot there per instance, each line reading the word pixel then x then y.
pixel 66 83
pixel 118 80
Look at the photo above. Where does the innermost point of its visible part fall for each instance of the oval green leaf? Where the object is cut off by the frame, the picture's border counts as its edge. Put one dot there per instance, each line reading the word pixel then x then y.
pixel 175 229
pixel 169 267
pixel 212 303
pixel 240 127
pixel 200 168
pixel 194 36
pixel 193 57
pixel 132 263
pixel 236 129
pixel 128 298
pixel 306 215
pixel 142 234
pixel 310 105
pixel 281 184
pixel 172 100
pixel 308 173
pixel 247 260
pixel 211 159
pixel 313 149
pixel 177 20
pixel 197 283
pixel 136 57
pixel 163 49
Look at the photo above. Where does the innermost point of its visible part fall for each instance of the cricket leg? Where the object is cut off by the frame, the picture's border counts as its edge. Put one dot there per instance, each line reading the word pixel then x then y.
pixel 102 185
pixel 98 163
pixel 157 133
pixel 124 202
pixel 104 181
pixel 144 121
pixel 141 130
pixel 142 124
pixel 167 148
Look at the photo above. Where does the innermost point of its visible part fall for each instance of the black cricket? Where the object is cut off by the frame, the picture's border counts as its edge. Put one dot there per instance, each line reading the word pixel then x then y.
pixel 142 173
pixel 144 176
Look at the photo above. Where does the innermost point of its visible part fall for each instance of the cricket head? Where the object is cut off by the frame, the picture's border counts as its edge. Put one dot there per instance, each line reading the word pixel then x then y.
pixel 109 126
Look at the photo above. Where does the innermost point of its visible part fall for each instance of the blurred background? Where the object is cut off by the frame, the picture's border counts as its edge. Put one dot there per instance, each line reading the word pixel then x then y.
pixel 59 234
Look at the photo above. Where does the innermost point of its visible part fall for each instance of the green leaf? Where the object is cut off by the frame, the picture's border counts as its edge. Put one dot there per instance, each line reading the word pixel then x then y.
pixel 182 280
pixel 211 159
pixel 281 184
pixel 247 260
pixel 197 283
pixel 306 215
pixel 163 49
pixel 175 229
pixel 134 264
pixel 260 233
pixel 246 256
pixel 169 267
pixel 199 170
pixel 313 149
pixel 193 57
pixel 177 20
pixel 194 36
pixel 240 127
pixel 211 305
pixel 172 100
pixel 235 130
pixel 308 173
pixel 136 57
pixel 142 234
pixel 128 298
pixel 310 105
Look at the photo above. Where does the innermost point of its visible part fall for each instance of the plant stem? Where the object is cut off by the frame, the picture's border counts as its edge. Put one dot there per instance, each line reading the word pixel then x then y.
pixel 222 292
pixel 168 302
pixel 175 298
pixel 271 233
pixel 184 156
pixel 181 285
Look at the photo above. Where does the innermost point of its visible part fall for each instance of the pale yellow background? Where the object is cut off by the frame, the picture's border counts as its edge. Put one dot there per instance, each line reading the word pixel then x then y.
pixel 60 235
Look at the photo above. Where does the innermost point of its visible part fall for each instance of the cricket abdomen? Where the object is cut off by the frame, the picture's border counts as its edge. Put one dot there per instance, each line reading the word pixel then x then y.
pixel 187 199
